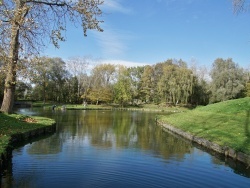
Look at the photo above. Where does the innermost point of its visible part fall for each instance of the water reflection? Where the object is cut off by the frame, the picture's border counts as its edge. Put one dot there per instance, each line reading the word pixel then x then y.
pixel 112 129
pixel 97 148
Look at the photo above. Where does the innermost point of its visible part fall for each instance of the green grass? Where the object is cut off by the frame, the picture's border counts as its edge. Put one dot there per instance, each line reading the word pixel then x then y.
pixel 160 107
pixel 15 123
pixel 225 123
pixel 115 106
pixel 68 106
pixel 89 106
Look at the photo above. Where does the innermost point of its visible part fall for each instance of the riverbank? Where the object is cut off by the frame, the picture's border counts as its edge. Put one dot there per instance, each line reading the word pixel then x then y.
pixel 223 127
pixel 142 107
pixel 16 128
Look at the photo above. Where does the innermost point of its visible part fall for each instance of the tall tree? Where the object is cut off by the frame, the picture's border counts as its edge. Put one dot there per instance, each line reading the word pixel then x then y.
pixel 77 67
pixel 86 81
pixel 228 80
pixel 26 24
pixel 49 76
pixel 176 82
pixel 58 75
pixel 247 73
pixel 39 74
pixel 102 94
pixel 122 88
pixel 23 90
pixel 248 89
pixel 102 76
pixel 147 84
pixel 135 76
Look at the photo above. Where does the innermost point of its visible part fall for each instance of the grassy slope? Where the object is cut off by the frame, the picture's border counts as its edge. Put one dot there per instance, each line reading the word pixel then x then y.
pixel 14 123
pixel 225 123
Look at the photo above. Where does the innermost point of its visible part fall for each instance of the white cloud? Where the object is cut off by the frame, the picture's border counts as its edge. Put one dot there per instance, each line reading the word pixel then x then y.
pixel 122 62
pixel 111 43
pixel 116 5
pixel 92 62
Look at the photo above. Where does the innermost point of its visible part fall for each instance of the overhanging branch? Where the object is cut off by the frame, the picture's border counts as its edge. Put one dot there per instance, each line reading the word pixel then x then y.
pixel 48 3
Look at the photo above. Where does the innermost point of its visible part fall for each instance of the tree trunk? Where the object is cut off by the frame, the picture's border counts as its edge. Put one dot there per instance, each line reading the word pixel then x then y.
pixel 44 89
pixel 10 81
pixel 9 87
pixel 8 100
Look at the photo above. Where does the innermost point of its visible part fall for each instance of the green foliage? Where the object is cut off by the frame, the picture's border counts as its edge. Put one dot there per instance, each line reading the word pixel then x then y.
pixel 176 82
pixel 49 76
pixel 248 89
pixel 101 94
pixel 23 90
pixel 16 123
pixel 228 80
pixel 100 88
pixel 28 24
pixel 103 75
pixel 225 123
pixel 135 74
pixel 147 84
pixel 122 88
pixel 4 141
pixel 170 82
pixel 201 93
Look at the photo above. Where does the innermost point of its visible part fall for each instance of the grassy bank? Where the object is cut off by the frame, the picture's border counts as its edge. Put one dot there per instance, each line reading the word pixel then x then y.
pixel 16 123
pixel 149 107
pixel 225 123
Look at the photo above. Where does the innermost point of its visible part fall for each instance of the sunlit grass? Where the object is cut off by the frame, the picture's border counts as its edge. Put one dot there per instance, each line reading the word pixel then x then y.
pixel 152 107
pixel 161 107
pixel 226 123
pixel 16 123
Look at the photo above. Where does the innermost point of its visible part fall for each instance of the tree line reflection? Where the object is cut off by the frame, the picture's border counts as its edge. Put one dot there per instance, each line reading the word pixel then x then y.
pixel 112 130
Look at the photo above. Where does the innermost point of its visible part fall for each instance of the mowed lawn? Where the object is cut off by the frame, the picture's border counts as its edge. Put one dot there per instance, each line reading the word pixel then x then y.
pixel 226 123
pixel 15 123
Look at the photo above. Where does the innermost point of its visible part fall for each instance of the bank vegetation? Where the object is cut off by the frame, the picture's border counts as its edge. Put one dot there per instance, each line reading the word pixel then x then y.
pixel 16 126
pixel 169 83
pixel 226 123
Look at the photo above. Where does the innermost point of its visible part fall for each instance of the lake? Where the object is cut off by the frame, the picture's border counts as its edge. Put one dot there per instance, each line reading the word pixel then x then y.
pixel 116 149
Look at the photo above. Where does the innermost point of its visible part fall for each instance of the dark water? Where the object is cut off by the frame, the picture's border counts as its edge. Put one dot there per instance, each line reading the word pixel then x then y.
pixel 116 149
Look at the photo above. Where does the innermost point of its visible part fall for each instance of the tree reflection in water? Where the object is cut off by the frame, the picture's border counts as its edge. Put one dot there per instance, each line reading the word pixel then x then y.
pixel 84 134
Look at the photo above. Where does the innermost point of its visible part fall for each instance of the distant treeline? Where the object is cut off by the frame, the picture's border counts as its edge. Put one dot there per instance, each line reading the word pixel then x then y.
pixel 169 83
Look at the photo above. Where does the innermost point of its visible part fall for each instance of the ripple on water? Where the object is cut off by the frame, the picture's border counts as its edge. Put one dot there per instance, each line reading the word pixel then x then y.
pixel 71 158
pixel 121 168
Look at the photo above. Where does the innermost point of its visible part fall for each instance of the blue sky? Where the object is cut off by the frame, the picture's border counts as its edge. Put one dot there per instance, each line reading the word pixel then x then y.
pixel 139 32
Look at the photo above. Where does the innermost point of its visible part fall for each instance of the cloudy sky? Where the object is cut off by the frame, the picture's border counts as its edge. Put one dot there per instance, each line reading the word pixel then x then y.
pixel 139 32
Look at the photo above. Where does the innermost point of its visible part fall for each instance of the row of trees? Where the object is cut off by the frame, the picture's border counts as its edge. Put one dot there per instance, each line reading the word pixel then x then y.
pixel 27 25
pixel 169 82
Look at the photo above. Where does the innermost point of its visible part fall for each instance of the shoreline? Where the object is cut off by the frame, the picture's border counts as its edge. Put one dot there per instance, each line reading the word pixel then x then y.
pixel 222 150
pixel 18 138
pixel 126 109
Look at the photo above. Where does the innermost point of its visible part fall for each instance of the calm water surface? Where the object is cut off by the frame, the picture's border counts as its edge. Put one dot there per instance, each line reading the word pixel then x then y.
pixel 116 149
